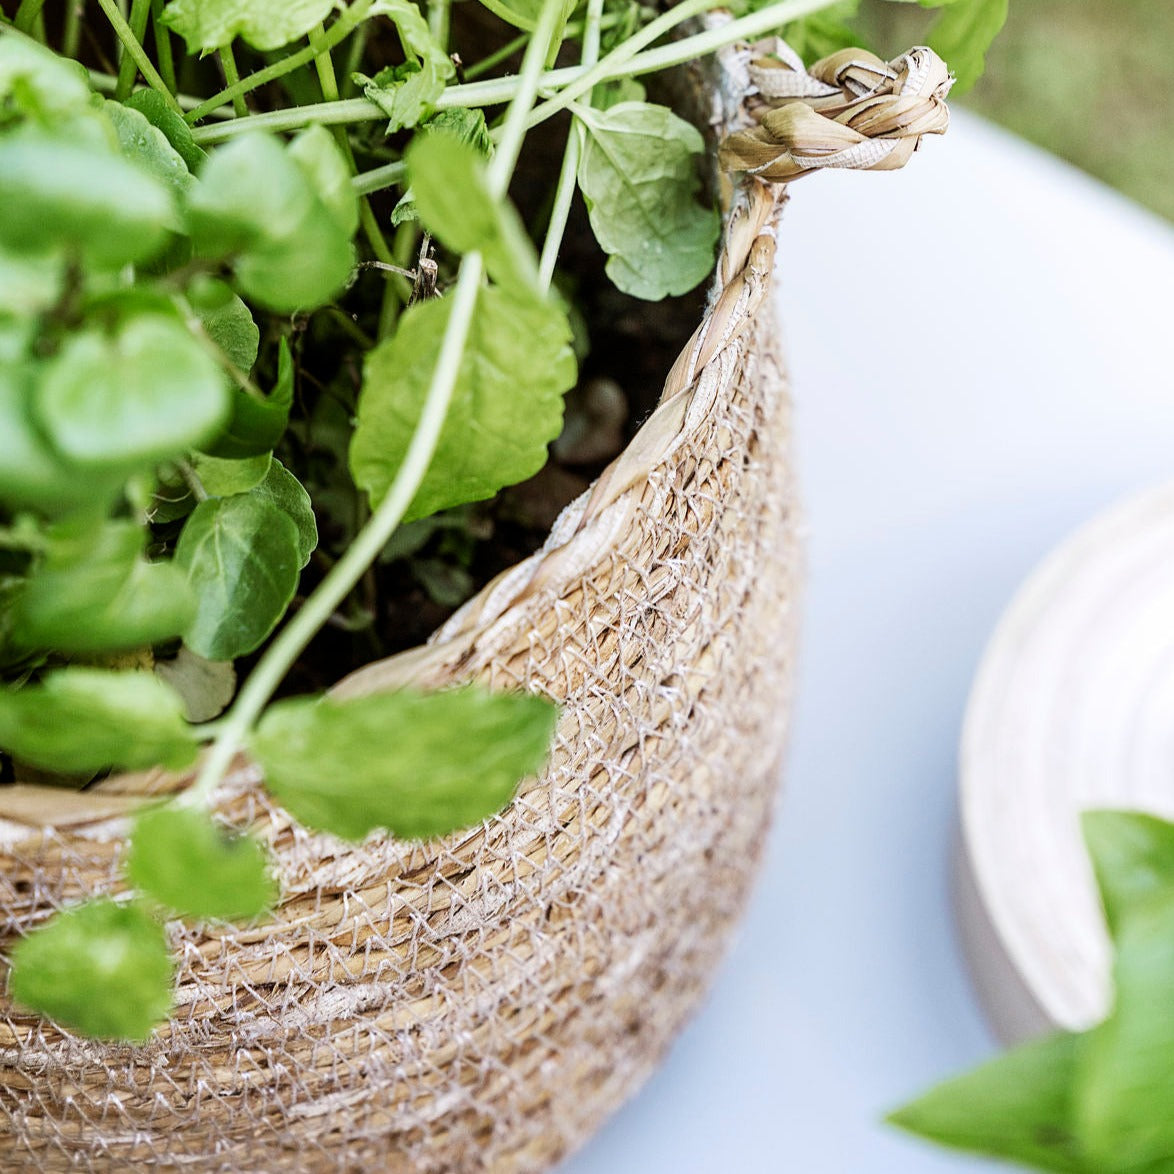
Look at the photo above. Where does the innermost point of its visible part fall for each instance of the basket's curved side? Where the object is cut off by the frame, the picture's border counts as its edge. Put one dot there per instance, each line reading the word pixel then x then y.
pixel 483 1002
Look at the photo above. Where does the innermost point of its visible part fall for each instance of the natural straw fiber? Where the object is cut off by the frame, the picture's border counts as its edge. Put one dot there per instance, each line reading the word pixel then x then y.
pixel 482 1002
pixel 852 110
pixel 1070 711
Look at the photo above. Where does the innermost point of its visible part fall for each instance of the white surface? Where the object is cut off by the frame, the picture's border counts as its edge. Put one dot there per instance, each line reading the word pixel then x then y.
pixel 979 348
pixel 1072 710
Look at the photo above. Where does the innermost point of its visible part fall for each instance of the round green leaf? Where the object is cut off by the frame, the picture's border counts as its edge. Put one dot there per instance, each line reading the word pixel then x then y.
pixel 148 147
pixel 226 320
pixel 240 555
pixel 56 193
pixel 286 492
pixel 94 593
pixel 132 398
pixel 265 24
pixel 101 968
pixel 85 719
pixel 187 862
pixel 418 764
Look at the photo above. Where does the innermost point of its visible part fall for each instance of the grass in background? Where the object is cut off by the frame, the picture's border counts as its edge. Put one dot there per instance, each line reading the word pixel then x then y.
pixel 1090 80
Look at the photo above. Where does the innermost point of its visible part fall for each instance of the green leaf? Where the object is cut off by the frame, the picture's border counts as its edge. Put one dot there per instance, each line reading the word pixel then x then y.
pixel 39 83
pixel 84 719
pixel 282 489
pixel 407 93
pixel 240 555
pixel 638 177
pixel 506 406
pixel 962 35
pixel 62 194
pixel 264 24
pixel 255 203
pixel 466 125
pixel 29 285
pixel 126 400
pixel 454 202
pixel 154 107
pixel 205 687
pixel 522 14
pixel 1132 856
pixel 31 473
pixel 186 862
pixel 326 170
pixel 101 968
pixel 227 321
pixel 256 424
pixel 418 764
pixel 147 147
pixel 94 593
pixel 1017 1107
pixel 1125 1086
pixel 223 478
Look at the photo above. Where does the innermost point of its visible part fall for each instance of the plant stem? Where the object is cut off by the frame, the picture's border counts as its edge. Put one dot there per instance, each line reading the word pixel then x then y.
pixel 337 32
pixel 496 90
pixel 438 20
pixel 379 178
pixel 329 83
pixel 163 46
pixel 140 10
pixel 71 38
pixel 232 77
pixel 564 192
pixel 27 14
pixel 131 45
pixel 486 64
pixel 280 656
pixel 513 129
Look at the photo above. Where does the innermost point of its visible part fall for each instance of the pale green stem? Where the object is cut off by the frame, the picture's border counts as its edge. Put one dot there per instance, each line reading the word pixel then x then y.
pixel 379 178
pixel 104 84
pixel 438 20
pixel 232 77
pixel 140 10
pixel 131 45
pixel 493 91
pixel 513 129
pixel 564 192
pixel 71 39
pixel 488 64
pixel 27 15
pixel 280 656
pixel 163 46
pixel 339 31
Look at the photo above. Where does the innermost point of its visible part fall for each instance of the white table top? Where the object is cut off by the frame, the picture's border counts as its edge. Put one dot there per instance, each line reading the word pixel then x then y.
pixel 979 346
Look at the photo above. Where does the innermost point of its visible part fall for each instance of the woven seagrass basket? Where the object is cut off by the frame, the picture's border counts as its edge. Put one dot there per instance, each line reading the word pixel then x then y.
pixel 483 1002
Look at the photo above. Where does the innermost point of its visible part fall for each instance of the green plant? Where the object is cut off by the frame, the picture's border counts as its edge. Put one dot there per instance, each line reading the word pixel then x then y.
pixel 1096 1102
pixel 168 262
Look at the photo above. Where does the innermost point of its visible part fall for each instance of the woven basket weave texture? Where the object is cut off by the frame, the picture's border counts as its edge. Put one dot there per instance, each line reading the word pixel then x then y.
pixel 480 1003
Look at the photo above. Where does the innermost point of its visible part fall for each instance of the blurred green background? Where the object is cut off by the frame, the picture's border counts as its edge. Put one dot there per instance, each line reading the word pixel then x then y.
pixel 1090 80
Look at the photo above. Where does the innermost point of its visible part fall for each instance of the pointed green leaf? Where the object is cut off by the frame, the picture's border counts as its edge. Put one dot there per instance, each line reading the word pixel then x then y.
pixel 256 425
pixel 1017 1107
pixel 240 555
pixel 264 24
pixel 506 407
pixel 83 719
pixel 454 202
pixel 124 401
pixel 1132 856
pixel 102 968
pixel 187 862
pixel 1126 1082
pixel 638 176
pixel 418 764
